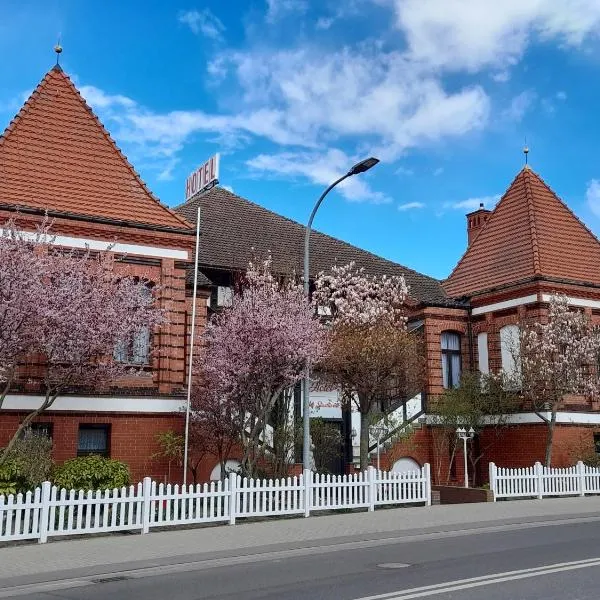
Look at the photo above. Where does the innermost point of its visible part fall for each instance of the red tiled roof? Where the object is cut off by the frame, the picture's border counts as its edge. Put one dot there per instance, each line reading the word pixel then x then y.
pixel 531 233
pixel 234 230
pixel 56 155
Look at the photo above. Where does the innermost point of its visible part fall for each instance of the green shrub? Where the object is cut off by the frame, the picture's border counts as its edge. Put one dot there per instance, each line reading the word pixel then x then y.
pixel 91 473
pixel 29 463
pixel 9 478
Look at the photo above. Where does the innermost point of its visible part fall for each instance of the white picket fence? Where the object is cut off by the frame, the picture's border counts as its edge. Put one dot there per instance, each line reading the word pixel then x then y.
pixel 49 511
pixel 539 481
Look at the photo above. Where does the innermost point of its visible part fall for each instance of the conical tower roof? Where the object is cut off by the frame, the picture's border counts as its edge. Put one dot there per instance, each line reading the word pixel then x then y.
pixel 55 155
pixel 530 234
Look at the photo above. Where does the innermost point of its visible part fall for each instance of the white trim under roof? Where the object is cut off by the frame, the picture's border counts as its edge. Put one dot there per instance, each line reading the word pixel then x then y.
pixel 480 310
pixel 584 302
pixel 531 418
pixel 100 245
pixel 117 404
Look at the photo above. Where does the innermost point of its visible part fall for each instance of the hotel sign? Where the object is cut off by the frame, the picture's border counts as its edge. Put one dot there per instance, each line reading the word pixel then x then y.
pixel 203 177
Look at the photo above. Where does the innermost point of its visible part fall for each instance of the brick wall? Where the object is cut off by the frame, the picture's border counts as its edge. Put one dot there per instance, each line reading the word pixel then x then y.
pixel 132 437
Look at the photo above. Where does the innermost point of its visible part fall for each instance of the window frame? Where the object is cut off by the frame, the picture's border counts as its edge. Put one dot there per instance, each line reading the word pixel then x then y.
pixel 94 426
pixel 447 354
pixel 40 428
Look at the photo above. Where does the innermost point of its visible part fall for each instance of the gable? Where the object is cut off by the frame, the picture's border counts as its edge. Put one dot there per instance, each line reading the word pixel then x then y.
pixel 55 155
pixel 530 234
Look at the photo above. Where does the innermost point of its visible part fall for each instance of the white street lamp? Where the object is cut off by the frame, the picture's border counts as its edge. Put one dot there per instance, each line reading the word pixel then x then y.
pixel 465 435
pixel 361 167
pixel 379 430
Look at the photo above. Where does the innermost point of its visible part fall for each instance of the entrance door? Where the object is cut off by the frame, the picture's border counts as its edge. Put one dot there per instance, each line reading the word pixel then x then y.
pixel 328 453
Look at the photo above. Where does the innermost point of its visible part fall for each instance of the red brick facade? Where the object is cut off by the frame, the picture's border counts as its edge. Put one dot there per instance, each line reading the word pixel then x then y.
pixel 531 245
pixel 99 198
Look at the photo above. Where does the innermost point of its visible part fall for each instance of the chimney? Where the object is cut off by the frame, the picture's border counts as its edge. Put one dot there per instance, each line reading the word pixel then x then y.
pixel 475 221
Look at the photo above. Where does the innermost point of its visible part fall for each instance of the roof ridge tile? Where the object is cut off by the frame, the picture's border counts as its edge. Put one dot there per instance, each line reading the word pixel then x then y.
pixel 531 209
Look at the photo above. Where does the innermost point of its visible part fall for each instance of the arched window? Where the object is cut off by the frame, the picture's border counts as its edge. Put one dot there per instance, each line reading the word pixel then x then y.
pixel 451 360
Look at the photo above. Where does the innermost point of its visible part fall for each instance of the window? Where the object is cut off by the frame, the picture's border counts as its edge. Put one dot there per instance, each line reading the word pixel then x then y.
pixel 224 296
pixel 597 442
pixel 482 352
pixel 93 439
pixel 510 352
pixel 39 429
pixel 451 361
pixel 136 349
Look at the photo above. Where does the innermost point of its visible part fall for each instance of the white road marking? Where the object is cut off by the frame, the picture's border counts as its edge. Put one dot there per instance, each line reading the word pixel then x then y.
pixel 473 582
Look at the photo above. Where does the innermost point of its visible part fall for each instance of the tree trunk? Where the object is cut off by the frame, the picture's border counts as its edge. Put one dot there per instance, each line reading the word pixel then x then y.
pixel 5 390
pixel 364 440
pixel 24 424
pixel 452 459
pixel 550 438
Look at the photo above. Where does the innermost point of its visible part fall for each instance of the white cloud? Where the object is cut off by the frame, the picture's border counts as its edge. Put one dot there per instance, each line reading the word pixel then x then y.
pixel 501 76
pixel 471 35
pixel 410 206
pixel 519 105
pixel 592 196
pixel 353 93
pixel 99 99
pixel 203 22
pixel 438 171
pixel 561 95
pixel 320 168
pixel 277 9
pixel 325 22
pixel 404 171
pixel 474 203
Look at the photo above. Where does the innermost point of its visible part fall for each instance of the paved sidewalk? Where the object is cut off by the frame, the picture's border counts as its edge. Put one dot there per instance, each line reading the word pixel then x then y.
pixel 122 551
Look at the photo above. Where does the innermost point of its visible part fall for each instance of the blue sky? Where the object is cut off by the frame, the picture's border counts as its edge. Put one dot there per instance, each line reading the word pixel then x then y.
pixel 293 92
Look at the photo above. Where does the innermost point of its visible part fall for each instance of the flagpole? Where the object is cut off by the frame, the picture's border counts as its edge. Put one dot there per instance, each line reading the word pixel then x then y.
pixel 191 353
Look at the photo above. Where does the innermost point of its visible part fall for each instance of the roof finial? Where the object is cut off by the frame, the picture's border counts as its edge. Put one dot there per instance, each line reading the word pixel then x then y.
pixel 526 152
pixel 58 49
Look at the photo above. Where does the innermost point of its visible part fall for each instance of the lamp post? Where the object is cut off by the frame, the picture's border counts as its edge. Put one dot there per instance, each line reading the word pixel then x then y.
pixel 465 435
pixel 361 167
pixel 379 430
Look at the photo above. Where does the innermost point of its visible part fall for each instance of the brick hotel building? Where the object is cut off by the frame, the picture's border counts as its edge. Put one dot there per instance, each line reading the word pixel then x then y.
pixel 57 158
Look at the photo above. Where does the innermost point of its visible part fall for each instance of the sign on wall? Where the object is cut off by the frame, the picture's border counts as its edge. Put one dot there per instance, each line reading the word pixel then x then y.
pixel 203 177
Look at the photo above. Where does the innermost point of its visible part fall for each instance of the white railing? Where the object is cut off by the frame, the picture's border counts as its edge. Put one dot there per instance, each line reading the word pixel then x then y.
pixel 49 511
pixel 539 481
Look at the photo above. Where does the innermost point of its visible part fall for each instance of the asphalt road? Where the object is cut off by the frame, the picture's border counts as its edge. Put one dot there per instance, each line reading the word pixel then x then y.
pixel 549 562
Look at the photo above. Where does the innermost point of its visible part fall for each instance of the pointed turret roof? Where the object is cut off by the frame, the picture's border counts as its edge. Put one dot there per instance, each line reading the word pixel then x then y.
pixel 530 234
pixel 55 155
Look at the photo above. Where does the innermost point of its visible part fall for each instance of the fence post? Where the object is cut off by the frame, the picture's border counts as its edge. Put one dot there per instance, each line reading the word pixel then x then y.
pixel 371 474
pixel 307 478
pixel 146 495
pixel 539 472
pixel 233 477
pixel 492 471
pixel 45 512
pixel 581 478
pixel 427 473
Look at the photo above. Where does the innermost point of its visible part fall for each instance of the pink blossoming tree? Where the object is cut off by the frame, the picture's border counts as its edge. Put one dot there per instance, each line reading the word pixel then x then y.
pixel 256 349
pixel 371 356
pixel 556 359
pixel 68 313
